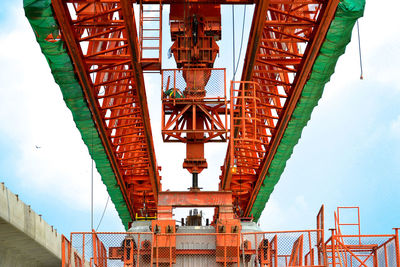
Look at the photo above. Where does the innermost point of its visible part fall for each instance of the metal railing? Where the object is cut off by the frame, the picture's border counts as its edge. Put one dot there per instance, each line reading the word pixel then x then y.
pixel 273 249
pixel 193 84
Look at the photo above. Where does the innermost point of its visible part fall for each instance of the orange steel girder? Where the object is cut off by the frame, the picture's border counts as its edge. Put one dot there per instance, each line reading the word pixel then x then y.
pixel 102 41
pixel 285 39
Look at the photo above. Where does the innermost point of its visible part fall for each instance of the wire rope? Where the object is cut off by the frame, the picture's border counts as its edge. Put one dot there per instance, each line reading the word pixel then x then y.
pixel 102 215
pixel 233 42
pixel 91 189
pixel 359 51
pixel 241 41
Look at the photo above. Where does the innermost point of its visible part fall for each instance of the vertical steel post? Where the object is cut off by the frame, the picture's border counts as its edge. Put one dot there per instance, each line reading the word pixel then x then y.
pixel 151 249
pixel 238 248
pixel 62 251
pixel 386 259
pixel 224 249
pixel 94 247
pixel 333 240
pixel 170 250
pixel 397 246
pixel 138 251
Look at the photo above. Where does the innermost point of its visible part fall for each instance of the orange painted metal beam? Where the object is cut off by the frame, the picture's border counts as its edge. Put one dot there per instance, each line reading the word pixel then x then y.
pixel 302 75
pixel 102 42
pixel 81 69
pixel 195 198
pixel 260 13
pixel 127 11
pixel 285 40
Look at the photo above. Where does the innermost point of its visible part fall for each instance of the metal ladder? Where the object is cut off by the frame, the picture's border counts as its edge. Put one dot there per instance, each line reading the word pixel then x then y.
pixel 150 36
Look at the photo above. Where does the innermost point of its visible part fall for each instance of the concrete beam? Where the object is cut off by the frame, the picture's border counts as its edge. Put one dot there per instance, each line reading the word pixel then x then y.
pixel 25 238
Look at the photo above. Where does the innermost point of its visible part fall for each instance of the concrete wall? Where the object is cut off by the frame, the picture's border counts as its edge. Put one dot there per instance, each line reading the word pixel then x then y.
pixel 25 238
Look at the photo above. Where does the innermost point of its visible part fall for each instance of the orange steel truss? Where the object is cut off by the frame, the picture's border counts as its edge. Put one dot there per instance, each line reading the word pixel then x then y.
pixel 182 106
pixel 102 41
pixel 284 41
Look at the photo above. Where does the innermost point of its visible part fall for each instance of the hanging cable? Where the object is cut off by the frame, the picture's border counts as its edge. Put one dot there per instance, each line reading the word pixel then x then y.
pixel 241 41
pixel 359 51
pixel 233 42
pixel 91 190
pixel 102 215
pixel 91 152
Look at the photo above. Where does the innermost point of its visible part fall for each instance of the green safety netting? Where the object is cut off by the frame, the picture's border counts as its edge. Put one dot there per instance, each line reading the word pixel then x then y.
pixel 41 18
pixel 337 38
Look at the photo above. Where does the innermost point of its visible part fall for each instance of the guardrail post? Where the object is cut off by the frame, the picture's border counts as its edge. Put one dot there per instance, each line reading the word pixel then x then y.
pixel 333 248
pixel 397 246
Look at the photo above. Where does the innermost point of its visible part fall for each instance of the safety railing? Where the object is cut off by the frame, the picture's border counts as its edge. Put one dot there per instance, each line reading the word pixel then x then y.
pixel 283 248
pixel 273 249
pixel 69 256
pixel 193 84
pixel 248 133
pixel 150 36
pixel 363 250
pixel 194 105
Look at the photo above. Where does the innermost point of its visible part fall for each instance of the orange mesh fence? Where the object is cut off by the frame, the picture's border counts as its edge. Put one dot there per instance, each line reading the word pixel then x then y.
pixel 271 249
pixel 295 248
pixel 186 84
pixel 114 249
pixel 148 249
pixel 362 250
pixel 65 252
pixel 69 256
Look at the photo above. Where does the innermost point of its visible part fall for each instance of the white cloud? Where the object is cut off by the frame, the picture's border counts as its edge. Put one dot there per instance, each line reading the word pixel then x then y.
pixel 33 114
pixel 287 216
pixel 395 127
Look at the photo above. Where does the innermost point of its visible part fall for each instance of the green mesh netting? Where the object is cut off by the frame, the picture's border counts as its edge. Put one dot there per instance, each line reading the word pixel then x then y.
pixel 41 18
pixel 337 38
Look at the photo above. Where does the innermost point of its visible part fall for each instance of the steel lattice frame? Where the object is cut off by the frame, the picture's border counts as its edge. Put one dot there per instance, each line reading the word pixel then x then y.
pixel 102 41
pixel 284 41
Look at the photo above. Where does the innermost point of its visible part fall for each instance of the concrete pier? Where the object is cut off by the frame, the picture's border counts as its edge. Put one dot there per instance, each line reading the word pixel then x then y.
pixel 25 238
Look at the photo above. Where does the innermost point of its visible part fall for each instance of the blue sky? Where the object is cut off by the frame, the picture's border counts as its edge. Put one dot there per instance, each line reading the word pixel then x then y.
pixel 349 152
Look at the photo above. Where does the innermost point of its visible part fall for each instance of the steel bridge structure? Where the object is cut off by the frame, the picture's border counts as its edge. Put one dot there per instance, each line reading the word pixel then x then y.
pixel 98 52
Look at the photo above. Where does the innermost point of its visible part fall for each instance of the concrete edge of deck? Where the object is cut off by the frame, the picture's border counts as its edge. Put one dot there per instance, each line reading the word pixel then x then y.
pixel 25 238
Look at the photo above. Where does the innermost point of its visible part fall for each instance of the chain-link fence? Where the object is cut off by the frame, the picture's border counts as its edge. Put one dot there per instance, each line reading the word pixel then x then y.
pixel 295 248
pixel 362 250
pixel 184 84
pixel 273 249
pixel 114 249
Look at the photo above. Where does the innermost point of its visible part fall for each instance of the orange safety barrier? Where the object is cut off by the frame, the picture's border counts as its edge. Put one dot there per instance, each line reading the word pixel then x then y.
pixel 347 250
pixel 374 250
pixel 66 254
pixel 272 249
pixel 230 248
